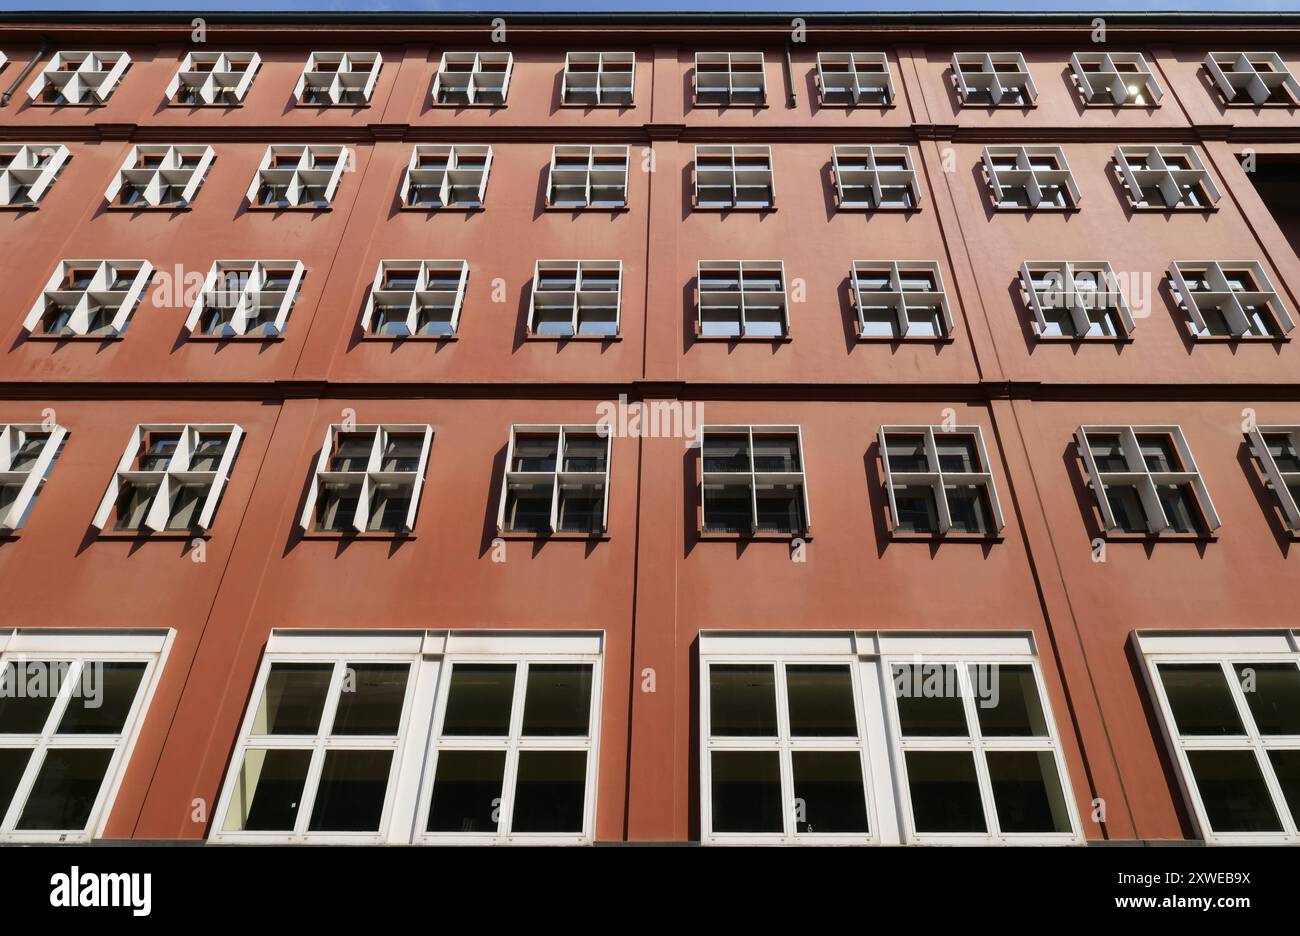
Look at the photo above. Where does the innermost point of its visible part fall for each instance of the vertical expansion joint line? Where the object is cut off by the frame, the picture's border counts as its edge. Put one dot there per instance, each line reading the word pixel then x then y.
pixel 789 75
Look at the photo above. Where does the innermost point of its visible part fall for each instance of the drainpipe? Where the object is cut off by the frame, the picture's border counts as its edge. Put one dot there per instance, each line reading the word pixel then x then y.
pixel 789 75
pixel 27 70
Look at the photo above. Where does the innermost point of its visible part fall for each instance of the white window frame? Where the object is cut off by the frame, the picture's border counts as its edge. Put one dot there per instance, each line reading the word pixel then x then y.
pixel 1033 180
pixel 899 298
pixel 1278 480
pixel 371 477
pixel 417 299
pixel 856 75
pixel 602 172
pixel 1170 179
pixel 1062 291
pixel 478 90
pixel 31 479
pixel 579 299
pixel 251 275
pixel 91 83
pixel 346 78
pixel 313 168
pixel 433 656
pixel 754 478
pixel 937 479
pixel 612 83
pixel 177 475
pixel 448 178
pixel 1223 648
pixel 976 72
pixel 1226 299
pixel 1236 72
pixel 864 171
pixel 78 647
pixel 740 297
pixel 230 77
pixel 122 302
pixel 557 477
pixel 1109 86
pixel 169 173
pixel 736 174
pixel 730 95
pixel 1144 479
pixel 31 166
pixel 871 656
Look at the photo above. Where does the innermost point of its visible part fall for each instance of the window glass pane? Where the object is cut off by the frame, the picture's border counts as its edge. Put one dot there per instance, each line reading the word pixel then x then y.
pixel 557 700
pixel 1027 792
pixel 945 792
pixel 1272 691
pixel 550 787
pixel 746 794
pixel 293 699
pixel 28 689
pixel 102 701
pixel 742 700
pixel 968 507
pixel 929 700
pixel 65 789
pixel 828 791
pixel 776 453
pixel 728 508
pixel 780 508
pixel 1179 507
pixel 1286 764
pixel 1200 699
pixel 13 761
pixel 1126 507
pixel 821 701
pixel 370 700
pixel 1007 701
pixel 467 791
pixel 917 511
pixel 351 794
pixel 1233 792
pixel 907 453
pixel 479 699
pixel 726 453
pixel 268 791
pixel 957 453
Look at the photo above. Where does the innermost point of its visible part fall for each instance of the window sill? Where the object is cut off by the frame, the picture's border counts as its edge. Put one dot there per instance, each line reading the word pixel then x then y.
pixel 423 338
pixel 151 535
pixel 378 535
pixel 197 106
pixel 722 105
pixel 749 339
pixel 340 106
pixel 756 209
pixel 1028 209
pixel 242 339
pixel 804 535
pixel 602 536
pixel 947 537
pixel 864 208
pixel 1020 107
pixel 1111 105
pixel 901 339
pixel 32 207
pixel 592 105
pixel 272 208
pixel 1161 537
pixel 460 104
pixel 1245 339
pixel 831 105
pixel 1083 339
pixel 432 208
pixel 533 336
pixel 148 208
pixel 33 336
pixel 602 209
pixel 1178 209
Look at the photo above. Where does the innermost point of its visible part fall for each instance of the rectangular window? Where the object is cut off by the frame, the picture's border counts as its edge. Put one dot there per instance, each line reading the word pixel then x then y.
pixel 729 78
pixel 71 705
pixel 170 478
pixel 939 481
pixel 900 300
pixel 473 79
pixel 446 177
pixel 160 177
pixel 299 177
pixel 1030 177
pixel 599 79
pixel 993 79
pixel 213 79
pixel 850 79
pixel 415 298
pixel 875 177
pixel 556 481
pixel 752 481
pixel 368 479
pixel 1225 299
pixel 1115 79
pixel 834 737
pixel 428 737
pixel 338 79
pixel 89 299
pixel 1230 706
pixel 79 78
pixel 246 299
pixel 1075 299
pixel 575 299
pixel 1146 481
pixel 734 177
pixel 1165 177
pixel 1253 78
pixel 27 456
pixel 742 299
pixel 1277 449
pixel 27 170
pixel 587 177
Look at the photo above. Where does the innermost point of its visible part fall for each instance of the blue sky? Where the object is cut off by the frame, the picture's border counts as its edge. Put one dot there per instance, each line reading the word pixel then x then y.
pixel 805 7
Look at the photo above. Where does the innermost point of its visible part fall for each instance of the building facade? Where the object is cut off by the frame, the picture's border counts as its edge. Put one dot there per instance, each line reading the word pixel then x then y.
pixel 414 430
